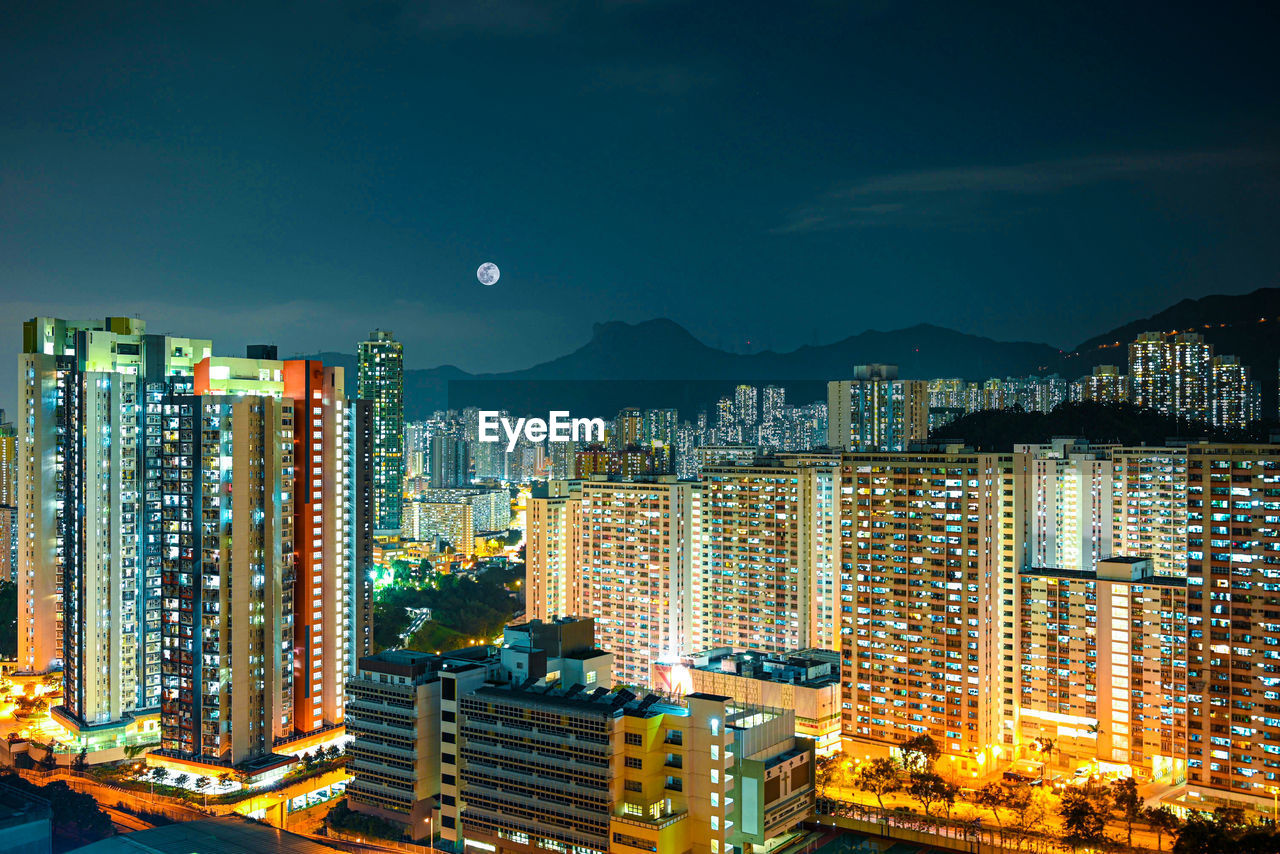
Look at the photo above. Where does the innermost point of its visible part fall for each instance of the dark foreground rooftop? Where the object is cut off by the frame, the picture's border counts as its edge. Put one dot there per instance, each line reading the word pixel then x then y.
pixel 223 835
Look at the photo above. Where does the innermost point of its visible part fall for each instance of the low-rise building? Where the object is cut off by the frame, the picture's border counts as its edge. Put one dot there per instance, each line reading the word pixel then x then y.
pixel 806 682
pixel 567 769
pixel 393 710
pixel 531 750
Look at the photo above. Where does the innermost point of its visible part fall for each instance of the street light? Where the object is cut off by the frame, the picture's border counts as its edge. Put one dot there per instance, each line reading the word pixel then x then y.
pixel 431 840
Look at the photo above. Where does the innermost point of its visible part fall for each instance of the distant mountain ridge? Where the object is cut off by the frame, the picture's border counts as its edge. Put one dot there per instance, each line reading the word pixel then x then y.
pixel 661 349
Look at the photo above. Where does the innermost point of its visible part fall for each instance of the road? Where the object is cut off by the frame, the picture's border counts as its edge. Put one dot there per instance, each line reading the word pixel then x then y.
pixel 420 616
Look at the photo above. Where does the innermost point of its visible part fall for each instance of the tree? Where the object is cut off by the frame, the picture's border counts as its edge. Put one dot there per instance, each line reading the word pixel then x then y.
pixel 828 773
pixel 1124 794
pixel 932 790
pixel 182 780
pixel 49 761
pixel 76 818
pixel 1045 747
pixel 202 783
pixel 81 761
pixel 133 751
pixel 308 759
pixel 1230 819
pixel 490 548
pixel 334 751
pixel 1200 835
pixel 880 777
pixel 994 797
pixel 1084 815
pixel 1162 820
pixel 919 754
pixel 160 774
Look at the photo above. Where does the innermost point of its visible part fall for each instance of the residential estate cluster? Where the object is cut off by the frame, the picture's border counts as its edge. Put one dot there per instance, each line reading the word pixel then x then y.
pixel 709 607
pixel 1122 602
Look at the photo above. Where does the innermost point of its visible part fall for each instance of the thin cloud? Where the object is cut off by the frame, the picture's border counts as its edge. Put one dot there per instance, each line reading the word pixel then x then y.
pixel 656 80
pixel 938 196
pixel 508 17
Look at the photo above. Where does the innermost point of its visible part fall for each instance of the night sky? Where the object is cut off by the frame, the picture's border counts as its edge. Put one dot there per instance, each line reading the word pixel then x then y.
pixel 782 172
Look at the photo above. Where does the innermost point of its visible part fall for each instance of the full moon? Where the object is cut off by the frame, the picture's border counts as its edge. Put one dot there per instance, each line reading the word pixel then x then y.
pixel 488 273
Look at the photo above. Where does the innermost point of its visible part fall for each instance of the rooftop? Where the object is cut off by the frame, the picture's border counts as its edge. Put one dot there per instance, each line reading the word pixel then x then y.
pixel 230 834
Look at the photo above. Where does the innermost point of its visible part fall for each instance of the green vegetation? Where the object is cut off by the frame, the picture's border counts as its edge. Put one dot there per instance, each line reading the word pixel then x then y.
pixel 433 637
pixel 8 619
pixel 1225 830
pixel 1084 812
pixel 1092 817
pixel 1000 429
pixel 462 610
pixel 406 574
pixel 343 818
pixel 76 818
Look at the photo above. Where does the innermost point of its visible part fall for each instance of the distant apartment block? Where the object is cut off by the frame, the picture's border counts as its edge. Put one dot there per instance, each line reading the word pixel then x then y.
pixel 877 411
pixel 381 381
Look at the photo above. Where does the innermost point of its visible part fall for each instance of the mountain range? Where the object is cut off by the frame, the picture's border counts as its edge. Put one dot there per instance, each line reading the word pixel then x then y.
pixel 643 364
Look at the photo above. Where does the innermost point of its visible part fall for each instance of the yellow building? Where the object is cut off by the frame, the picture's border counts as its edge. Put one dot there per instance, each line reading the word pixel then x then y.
pixel 552 549
pixel 928 543
pixel 637 547
pixel 807 682
pixel 1102 669
pixel 765 577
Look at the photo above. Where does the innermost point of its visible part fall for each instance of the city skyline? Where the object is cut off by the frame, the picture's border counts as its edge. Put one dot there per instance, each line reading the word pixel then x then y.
pixel 826 555
pixel 871 440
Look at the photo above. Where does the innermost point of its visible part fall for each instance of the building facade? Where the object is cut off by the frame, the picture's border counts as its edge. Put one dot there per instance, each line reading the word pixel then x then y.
pixel 877 411
pixel 1233 583
pixel 1149 513
pixel 1069 500
pixel 552 549
pixel 928 543
pixel 765 576
pixel 534 758
pixel 227 673
pixel 394 715
pixel 637 542
pixel 1102 669
pixel 381 381
pixel 88 520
